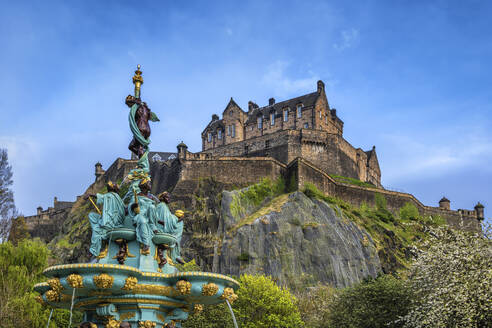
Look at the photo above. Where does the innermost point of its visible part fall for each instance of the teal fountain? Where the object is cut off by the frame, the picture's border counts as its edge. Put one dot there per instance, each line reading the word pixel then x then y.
pixel 132 280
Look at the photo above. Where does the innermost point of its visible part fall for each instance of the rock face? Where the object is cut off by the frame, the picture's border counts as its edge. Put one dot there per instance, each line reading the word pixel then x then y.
pixel 296 240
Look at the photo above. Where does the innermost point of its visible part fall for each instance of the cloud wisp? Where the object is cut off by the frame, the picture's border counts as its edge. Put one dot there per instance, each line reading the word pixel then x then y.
pixel 348 39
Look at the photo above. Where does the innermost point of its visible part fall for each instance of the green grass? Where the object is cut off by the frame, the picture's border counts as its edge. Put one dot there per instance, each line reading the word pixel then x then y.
pixel 352 181
pixel 408 227
pixel 255 195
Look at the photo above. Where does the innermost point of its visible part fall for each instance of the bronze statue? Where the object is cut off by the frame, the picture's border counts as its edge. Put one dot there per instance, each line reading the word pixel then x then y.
pixel 140 115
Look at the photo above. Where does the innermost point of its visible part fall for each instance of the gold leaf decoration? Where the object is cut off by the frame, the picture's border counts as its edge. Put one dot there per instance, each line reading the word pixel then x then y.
pixel 130 283
pixel 183 287
pixel 55 285
pixel 210 289
pixel 112 323
pixel 154 290
pixel 146 324
pixel 229 295
pixel 197 308
pixel 40 300
pixel 75 280
pixel 52 295
pixel 103 280
pixel 127 315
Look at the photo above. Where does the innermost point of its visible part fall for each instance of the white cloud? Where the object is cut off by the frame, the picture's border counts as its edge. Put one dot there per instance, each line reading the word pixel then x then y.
pixel 283 85
pixel 434 156
pixel 348 39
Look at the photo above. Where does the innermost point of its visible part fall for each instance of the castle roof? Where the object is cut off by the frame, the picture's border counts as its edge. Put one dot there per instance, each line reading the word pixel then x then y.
pixel 307 100
pixel 444 199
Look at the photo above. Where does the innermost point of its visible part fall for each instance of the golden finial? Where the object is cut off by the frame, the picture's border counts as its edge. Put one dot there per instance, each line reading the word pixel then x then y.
pixel 138 81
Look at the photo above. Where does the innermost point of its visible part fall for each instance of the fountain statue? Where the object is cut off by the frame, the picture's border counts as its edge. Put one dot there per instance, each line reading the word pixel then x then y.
pixel 132 280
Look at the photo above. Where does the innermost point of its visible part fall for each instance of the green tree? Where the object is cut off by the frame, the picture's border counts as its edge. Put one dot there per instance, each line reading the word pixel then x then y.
pixel 7 205
pixel 20 268
pixel 314 305
pixel 260 304
pixel 374 303
pixel 453 278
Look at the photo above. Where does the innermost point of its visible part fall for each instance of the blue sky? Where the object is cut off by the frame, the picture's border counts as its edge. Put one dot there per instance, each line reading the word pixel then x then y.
pixel 411 77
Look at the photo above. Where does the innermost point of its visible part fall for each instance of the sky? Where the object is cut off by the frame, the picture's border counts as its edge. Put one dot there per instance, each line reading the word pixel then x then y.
pixel 412 78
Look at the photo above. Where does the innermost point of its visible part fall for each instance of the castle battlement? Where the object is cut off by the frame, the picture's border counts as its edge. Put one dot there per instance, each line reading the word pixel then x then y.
pixel 304 127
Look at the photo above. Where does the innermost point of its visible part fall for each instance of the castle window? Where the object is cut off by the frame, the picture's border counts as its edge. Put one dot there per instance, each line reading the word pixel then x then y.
pixel 260 122
pixel 228 130
pixel 209 137
pixel 233 130
pixel 246 149
pixel 267 144
pixel 219 134
pixel 319 114
pixel 231 113
pixel 299 111
pixel 286 115
pixel 272 118
pixel 306 125
pixel 326 119
pixel 156 158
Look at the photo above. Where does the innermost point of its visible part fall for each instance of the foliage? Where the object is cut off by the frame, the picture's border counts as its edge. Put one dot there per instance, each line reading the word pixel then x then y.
pixel 18 230
pixel 374 303
pixel 409 212
pixel 255 195
pixel 453 279
pixel 7 205
pixel 213 316
pixel 313 304
pixel 20 268
pixel 352 181
pixel 260 304
pixel 188 266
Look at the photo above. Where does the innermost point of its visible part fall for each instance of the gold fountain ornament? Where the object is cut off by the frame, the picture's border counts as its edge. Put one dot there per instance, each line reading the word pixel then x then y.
pixel 138 81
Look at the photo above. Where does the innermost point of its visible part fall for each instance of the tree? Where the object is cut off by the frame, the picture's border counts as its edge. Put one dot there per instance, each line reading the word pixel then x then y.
pixel 314 305
pixel 7 205
pixel 374 303
pixel 453 278
pixel 20 268
pixel 260 304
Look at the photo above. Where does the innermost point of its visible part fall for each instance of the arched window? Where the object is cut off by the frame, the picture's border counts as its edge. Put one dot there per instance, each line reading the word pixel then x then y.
pixel 219 134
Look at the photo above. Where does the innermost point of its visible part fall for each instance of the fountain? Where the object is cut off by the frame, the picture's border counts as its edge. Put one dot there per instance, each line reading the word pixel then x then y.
pixel 133 280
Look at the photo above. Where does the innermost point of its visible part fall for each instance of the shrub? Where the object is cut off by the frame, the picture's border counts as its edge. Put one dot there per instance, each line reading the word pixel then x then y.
pixel 374 303
pixel 409 212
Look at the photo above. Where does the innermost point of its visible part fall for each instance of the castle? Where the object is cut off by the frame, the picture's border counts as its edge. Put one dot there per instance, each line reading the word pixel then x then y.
pixel 300 140
pixel 304 127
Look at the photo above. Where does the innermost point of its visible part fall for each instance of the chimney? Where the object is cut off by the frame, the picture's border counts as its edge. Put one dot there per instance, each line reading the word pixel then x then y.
pixel 321 86
pixel 445 204
pixel 215 117
pixel 271 101
pixel 39 210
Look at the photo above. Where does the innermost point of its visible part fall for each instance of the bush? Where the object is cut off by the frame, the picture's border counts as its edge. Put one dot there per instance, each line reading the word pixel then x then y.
pixel 313 304
pixel 453 278
pixel 409 212
pixel 375 303
pixel 20 268
pixel 260 304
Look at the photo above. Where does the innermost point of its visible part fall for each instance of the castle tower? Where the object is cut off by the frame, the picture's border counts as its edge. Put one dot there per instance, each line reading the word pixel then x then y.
pixel 99 170
pixel 444 203
pixel 479 210
pixel 182 150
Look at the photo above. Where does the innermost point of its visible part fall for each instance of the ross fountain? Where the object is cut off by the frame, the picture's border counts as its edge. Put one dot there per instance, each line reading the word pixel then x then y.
pixel 132 280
